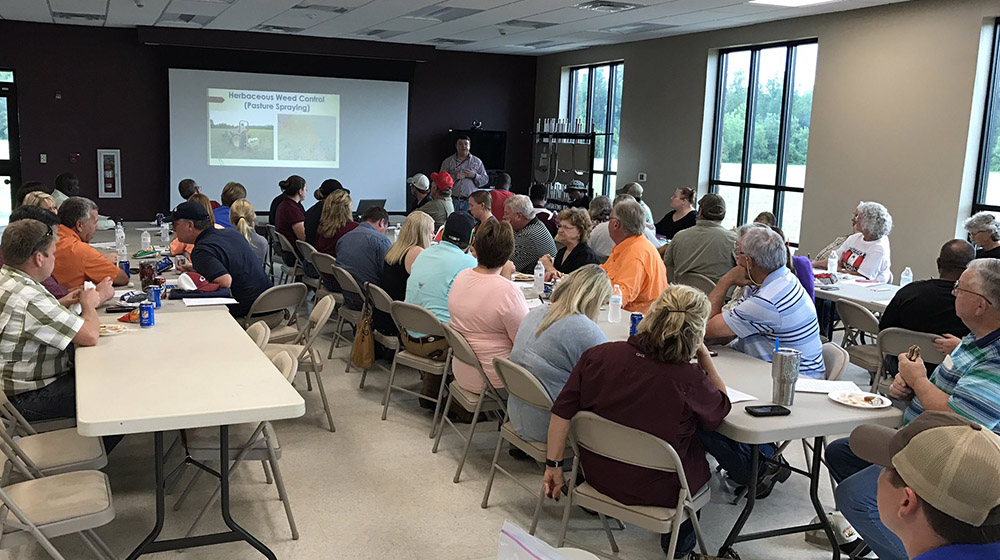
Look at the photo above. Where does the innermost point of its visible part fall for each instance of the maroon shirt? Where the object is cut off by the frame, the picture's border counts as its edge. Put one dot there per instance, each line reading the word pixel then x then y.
pixel 289 213
pixel 328 245
pixel 670 401
pixel 57 290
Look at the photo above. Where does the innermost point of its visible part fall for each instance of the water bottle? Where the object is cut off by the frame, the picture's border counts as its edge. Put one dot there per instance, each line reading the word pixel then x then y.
pixel 144 240
pixel 165 233
pixel 615 305
pixel 539 284
pixel 906 277
pixel 120 241
pixel 831 262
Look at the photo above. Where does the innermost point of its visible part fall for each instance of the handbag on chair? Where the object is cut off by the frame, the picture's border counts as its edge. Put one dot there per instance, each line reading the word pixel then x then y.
pixel 363 350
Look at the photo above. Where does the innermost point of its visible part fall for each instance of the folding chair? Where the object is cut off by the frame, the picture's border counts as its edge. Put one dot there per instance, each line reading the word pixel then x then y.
pixel 278 306
pixel 260 333
pixel 261 444
pixel 381 301
pixel 303 348
pixel 695 280
pixel 324 264
pixel 304 255
pixel 489 399
pixel 286 246
pixel 348 285
pixel 633 447
pixel 521 384
pixel 271 235
pixel 858 322
pixel 417 319
pixel 894 341
pixel 836 359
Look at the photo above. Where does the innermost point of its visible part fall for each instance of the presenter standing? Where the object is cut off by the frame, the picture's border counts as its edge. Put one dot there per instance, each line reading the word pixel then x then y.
pixel 467 172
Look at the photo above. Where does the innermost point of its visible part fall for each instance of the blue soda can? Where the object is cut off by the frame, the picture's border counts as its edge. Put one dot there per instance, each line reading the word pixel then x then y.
pixel 126 267
pixel 547 290
pixel 159 218
pixel 146 317
pixel 165 264
pixel 153 293
pixel 634 323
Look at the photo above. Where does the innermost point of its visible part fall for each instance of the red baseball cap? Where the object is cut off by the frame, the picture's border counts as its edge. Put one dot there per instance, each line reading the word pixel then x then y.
pixel 191 281
pixel 442 181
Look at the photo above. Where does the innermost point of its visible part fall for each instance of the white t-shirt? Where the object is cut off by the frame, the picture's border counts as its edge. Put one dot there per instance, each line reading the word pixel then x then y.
pixel 868 258
pixel 600 240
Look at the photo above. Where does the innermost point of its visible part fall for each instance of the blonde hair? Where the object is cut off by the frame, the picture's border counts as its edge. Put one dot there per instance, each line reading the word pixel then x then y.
pixel 580 293
pixel 204 201
pixel 674 327
pixel 336 213
pixel 580 219
pixel 38 198
pixel 415 232
pixel 243 217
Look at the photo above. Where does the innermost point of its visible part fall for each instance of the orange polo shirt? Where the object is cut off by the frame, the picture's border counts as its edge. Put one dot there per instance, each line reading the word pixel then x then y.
pixel 77 261
pixel 636 266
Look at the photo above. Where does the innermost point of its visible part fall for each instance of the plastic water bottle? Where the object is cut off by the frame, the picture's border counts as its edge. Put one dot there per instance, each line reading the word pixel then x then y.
pixel 615 305
pixel 165 233
pixel 120 242
pixel 144 240
pixel 539 284
pixel 831 262
pixel 906 277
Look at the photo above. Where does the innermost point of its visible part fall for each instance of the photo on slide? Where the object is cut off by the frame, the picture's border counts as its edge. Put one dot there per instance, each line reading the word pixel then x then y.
pixel 307 138
pixel 240 140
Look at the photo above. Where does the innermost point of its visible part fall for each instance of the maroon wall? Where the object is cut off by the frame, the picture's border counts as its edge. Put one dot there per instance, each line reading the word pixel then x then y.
pixel 114 95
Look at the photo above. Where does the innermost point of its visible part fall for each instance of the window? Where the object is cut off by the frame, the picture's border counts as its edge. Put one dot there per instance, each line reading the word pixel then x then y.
pixel 10 161
pixel 596 97
pixel 987 194
pixel 763 106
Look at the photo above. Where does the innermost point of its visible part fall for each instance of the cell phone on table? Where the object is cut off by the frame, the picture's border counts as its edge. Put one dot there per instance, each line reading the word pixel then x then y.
pixel 767 410
pixel 118 309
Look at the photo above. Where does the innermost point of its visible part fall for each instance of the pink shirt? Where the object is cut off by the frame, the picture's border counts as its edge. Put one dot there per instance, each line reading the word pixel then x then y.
pixel 486 309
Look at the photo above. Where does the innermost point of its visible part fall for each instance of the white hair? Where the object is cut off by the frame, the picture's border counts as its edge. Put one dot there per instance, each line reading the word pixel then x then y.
pixel 984 221
pixel 519 204
pixel 988 271
pixel 764 246
pixel 875 219
pixel 631 216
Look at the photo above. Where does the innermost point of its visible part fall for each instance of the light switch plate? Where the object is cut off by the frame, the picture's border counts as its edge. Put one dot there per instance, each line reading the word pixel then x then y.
pixel 642 177
pixel 43 158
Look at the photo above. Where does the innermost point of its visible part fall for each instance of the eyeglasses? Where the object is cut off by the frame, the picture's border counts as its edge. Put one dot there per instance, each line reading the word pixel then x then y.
pixel 957 288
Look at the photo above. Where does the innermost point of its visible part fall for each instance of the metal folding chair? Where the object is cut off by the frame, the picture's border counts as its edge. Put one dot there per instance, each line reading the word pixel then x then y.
pixel 380 301
pixel 348 285
pixel 278 307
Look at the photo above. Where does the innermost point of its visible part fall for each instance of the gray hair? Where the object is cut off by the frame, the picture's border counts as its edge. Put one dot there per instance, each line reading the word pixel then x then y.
pixel 74 209
pixel 600 209
pixel 623 197
pixel 875 219
pixel 988 271
pixel 631 216
pixel 764 246
pixel 519 204
pixel 984 221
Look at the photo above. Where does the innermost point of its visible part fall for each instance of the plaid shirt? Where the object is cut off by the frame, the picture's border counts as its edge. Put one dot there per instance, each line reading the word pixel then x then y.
pixel 35 332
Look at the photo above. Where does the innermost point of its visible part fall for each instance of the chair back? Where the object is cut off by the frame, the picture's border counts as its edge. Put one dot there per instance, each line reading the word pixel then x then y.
pixel 286 364
pixel 276 301
pixel 461 350
pixel 305 250
pixel 347 282
pixel 522 384
pixel 857 317
pixel 285 244
pixel 622 443
pixel 894 341
pixel 836 359
pixel 323 262
pixel 260 333
pixel 695 280
pixel 317 319
pixel 379 298
pixel 415 318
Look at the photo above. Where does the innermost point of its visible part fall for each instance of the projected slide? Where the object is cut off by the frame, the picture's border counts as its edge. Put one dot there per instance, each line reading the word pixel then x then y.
pixel 273 129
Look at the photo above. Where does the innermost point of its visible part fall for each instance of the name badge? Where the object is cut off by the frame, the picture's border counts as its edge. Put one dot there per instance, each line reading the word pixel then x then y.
pixel 948 363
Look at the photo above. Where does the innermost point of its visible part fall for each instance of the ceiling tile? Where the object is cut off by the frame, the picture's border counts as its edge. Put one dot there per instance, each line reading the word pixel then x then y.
pixel 247 14
pixel 197 7
pixel 97 7
pixel 25 11
pixel 564 15
pixel 476 4
pixel 124 13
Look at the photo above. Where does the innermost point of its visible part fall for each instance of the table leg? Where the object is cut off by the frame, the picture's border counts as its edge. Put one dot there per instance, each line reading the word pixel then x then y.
pixel 814 475
pixel 160 498
pixel 226 515
pixel 734 533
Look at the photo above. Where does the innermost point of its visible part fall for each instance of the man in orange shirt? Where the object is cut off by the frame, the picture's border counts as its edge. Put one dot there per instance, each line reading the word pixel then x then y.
pixel 634 264
pixel 76 260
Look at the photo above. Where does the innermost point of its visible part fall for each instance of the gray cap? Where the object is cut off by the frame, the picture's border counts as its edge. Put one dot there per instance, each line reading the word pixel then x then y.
pixel 713 207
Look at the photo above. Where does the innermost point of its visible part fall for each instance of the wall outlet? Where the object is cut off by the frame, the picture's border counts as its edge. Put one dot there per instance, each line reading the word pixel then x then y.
pixel 43 158
pixel 642 178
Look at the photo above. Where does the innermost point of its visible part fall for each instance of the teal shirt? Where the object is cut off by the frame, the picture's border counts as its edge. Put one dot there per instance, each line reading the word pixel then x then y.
pixel 431 276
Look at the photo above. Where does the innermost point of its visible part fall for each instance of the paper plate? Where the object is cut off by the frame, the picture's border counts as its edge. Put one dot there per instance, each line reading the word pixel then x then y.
pixel 860 399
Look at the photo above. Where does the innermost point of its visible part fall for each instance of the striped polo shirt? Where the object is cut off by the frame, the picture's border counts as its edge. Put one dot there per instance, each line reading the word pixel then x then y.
pixel 971 377
pixel 779 309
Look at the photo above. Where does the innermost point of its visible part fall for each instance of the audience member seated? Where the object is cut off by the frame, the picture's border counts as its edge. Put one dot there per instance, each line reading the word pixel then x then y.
pixel 25 212
pixel 706 248
pixel 36 330
pixel 966 384
pixel 937 490
pixel 42 200
pixel 984 230
pixel 420 189
pixel 499 194
pixel 76 260
pixel 681 215
pixel 600 210
pixel 574 231
pixel 207 204
pixel 551 340
pixel 230 193
pixel 68 185
pixel 222 256
pixel 315 212
pixel 531 237
pixel 486 308
pixel 600 237
pixel 800 266
pixel 539 193
pixel 289 217
pixel 441 205
pixel 186 187
pixel 635 191
pixel 578 193
pixel 414 236
pixel 29 187
pixel 336 221
pixel 766 218
pixel 481 206
pixel 244 219
pixel 865 253
pixel 362 251
pixel 634 264
pixel 648 383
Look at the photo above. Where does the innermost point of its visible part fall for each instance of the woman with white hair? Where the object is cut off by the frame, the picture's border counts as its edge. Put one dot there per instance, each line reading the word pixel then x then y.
pixel 865 253
pixel 984 231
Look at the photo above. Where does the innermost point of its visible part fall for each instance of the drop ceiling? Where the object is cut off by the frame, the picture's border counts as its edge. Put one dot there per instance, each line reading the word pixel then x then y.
pixel 530 27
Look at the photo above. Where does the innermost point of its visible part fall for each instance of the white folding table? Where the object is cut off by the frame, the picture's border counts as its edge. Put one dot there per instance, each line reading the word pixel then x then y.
pixel 874 296
pixel 197 370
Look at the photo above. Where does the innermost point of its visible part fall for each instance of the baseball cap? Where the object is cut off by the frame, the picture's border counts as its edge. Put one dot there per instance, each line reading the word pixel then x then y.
pixel 712 206
pixel 950 462
pixel 328 187
pixel 458 228
pixel 419 182
pixel 442 181
pixel 576 185
pixel 634 189
pixel 187 211
pixel 191 281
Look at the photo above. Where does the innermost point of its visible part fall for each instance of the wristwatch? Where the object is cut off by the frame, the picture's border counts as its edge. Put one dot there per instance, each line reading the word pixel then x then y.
pixel 554 464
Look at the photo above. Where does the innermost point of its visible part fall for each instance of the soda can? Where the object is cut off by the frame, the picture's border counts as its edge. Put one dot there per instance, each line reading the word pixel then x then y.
pixel 146 317
pixel 126 267
pixel 548 291
pixel 159 218
pixel 163 265
pixel 153 293
pixel 634 323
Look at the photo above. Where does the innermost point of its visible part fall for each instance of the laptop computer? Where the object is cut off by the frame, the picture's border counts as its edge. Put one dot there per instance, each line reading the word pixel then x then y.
pixel 365 204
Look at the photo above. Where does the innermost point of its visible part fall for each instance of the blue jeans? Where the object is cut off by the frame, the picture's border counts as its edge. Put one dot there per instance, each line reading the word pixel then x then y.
pixel 842 462
pixel 856 497
pixel 732 455
pixel 55 400
pixel 460 205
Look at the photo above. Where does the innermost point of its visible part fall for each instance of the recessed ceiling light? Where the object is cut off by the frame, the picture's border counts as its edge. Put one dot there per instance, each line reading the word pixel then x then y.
pixel 791 3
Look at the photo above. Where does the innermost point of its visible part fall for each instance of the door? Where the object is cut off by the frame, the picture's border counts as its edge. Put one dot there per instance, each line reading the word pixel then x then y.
pixel 10 155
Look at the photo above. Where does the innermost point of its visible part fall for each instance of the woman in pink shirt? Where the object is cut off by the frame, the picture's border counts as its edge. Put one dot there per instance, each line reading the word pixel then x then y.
pixel 485 307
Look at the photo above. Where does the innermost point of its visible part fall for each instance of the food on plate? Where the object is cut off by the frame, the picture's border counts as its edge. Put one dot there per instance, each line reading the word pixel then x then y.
pixel 862 399
pixel 113 329
pixel 518 277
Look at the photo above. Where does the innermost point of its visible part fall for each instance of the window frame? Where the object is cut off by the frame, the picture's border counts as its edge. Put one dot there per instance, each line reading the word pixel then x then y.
pixel 986 138
pixel 779 188
pixel 613 68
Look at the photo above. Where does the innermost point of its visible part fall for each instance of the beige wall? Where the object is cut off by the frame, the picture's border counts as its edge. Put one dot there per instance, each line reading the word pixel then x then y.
pixel 896 109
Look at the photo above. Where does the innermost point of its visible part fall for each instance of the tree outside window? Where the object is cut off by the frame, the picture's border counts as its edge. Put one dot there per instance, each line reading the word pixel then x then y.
pixel 596 97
